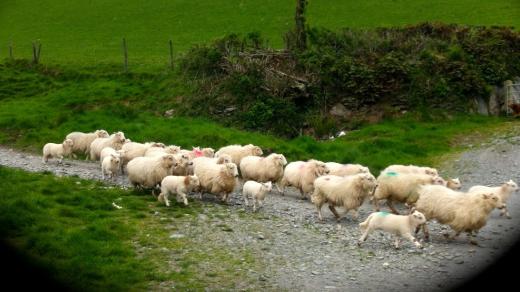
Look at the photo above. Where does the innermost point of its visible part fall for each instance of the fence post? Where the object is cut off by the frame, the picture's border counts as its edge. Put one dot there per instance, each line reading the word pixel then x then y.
pixel 171 54
pixel 125 52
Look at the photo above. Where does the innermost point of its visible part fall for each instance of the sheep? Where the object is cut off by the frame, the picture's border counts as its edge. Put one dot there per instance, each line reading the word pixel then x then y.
pixel 301 175
pixel 183 164
pixel 399 225
pixel 197 152
pixel 257 191
pixel 503 191
pixel 178 185
pixel 401 187
pixel 157 150
pixel 110 165
pixel 53 150
pixel 147 172
pixel 263 169
pixel 348 192
pixel 217 179
pixel 237 152
pixel 412 169
pixel 346 169
pixel 224 158
pixel 134 149
pixel 82 140
pixel 454 184
pixel 107 151
pixel 115 141
pixel 463 212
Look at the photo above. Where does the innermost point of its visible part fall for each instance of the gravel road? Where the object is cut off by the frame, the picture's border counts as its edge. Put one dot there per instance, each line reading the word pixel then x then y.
pixel 299 253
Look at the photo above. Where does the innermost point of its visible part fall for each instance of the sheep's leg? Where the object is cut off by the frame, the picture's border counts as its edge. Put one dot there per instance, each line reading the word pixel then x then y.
pixel 505 212
pixel 74 155
pixel 426 232
pixel 160 198
pixel 376 204
pixel 355 215
pixel 283 184
pixel 184 199
pixel 335 212
pixel 302 194
pixel 254 204
pixel 60 159
pixel 319 212
pixel 166 201
pixel 413 239
pixel 246 202
pixel 471 239
pixel 278 188
pixel 363 237
pixel 391 206
pixel 397 239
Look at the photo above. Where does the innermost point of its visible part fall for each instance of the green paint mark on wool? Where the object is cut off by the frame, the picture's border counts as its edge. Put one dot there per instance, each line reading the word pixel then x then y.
pixel 392 173
pixel 383 214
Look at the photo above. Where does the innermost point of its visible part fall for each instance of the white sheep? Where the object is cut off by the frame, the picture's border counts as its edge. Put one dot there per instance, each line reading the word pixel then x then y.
pixel 177 185
pixel 217 179
pixel 399 225
pixel 301 175
pixel 110 165
pixel 107 151
pixel 401 187
pixel 463 212
pixel 82 140
pixel 412 169
pixel 504 192
pixel 53 150
pixel 263 169
pixel 237 152
pixel 157 150
pixel 346 169
pixel 115 141
pixel 257 191
pixel 348 192
pixel 148 172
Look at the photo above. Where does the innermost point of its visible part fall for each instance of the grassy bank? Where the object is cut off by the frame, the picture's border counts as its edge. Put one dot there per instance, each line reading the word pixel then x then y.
pixel 89 32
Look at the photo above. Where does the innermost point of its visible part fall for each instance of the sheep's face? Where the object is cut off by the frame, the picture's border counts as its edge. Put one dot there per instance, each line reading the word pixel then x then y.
pixel 511 186
pixel 119 136
pixel 169 161
pixel 418 217
pixel 437 180
pixel 455 184
pixel 494 200
pixel 368 180
pixel 194 180
pixel 208 152
pixel 114 160
pixel 68 143
pixel 430 171
pixel 224 158
pixel 101 134
pixel 268 186
pixel 278 159
pixel 319 167
pixel 172 149
pixel 183 160
pixel 282 159
pixel 231 169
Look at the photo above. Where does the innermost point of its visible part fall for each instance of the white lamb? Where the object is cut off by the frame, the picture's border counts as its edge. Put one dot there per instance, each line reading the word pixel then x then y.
pixel 346 169
pixel 301 175
pixel 504 192
pixel 177 185
pixel 115 141
pixel 53 150
pixel 107 151
pixel 257 191
pixel 348 192
pixel 463 212
pixel 399 225
pixel 237 152
pixel 82 140
pixel 412 169
pixel 110 165
pixel 263 169
pixel 148 172
pixel 401 187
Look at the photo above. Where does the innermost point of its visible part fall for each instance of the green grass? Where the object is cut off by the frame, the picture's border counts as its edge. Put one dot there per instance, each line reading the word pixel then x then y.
pixel 70 228
pixel 89 32
pixel 40 106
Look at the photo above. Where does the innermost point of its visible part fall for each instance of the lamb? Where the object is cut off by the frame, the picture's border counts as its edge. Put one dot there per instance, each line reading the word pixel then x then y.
pixel 157 150
pixel 237 152
pixel 348 192
pixel 401 187
pixel 257 191
pixel 504 192
pixel 346 169
pixel 82 140
pixel 107 151
pixel 53 150
pixel 301 175
pixel 178 185
pixel 412 169
pixel 263 169
pixel 147 172
pixel 399 225
pixel 463 212
pixel 217 179
pixel 115 141
pixel 110 165
pixel 454 183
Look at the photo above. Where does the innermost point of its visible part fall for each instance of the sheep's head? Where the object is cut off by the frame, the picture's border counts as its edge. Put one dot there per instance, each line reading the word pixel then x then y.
pixel 114 159
pixel 454 183
pixel 119 136
pixel 268 186
pixel 224 158
pixel 168 161
pixel 101 133
pixel 510 186
pixel 254 150
pixel 367 180
pixel 417 217
pixel 68 143
pixel 183 160
pixel 493 199
pixel 430 171
pixel 437 180
pixel 231 169
pixel 194 180
pixel 319 167
pixel 208 152
pixel 278 159
pixel 172 149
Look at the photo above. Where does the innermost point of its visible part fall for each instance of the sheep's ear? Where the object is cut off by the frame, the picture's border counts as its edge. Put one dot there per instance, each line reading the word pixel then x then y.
pixel 485 196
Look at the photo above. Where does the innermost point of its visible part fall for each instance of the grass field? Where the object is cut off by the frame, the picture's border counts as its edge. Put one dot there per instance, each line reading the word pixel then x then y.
pixel 89 32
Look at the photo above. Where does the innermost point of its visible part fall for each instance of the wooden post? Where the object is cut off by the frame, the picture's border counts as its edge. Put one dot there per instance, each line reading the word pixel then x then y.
pixel 171 54
pixel 11 50
pixel 125 52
